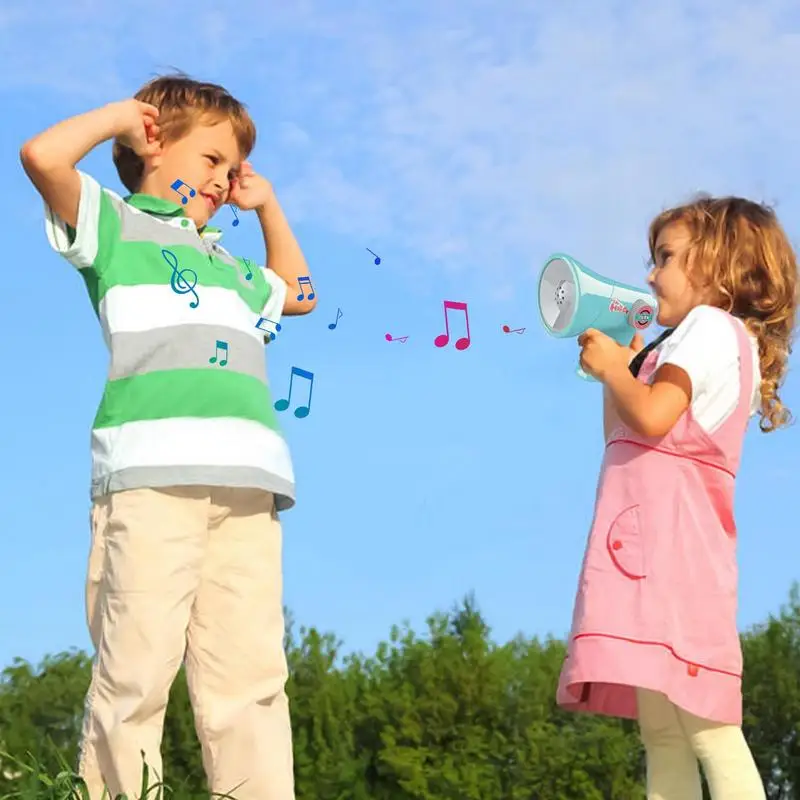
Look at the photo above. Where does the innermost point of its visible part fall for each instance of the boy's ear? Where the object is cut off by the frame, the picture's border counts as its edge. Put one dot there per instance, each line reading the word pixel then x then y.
pixel 153 156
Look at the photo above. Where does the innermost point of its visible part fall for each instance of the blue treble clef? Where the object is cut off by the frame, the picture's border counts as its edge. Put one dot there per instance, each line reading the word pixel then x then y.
pixel 177 281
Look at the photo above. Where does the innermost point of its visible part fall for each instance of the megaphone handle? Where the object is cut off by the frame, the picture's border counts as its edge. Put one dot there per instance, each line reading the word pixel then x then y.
pixel 581 374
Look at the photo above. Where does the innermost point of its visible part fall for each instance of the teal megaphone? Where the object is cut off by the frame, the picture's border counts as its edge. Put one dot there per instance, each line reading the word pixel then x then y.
pixel 573 299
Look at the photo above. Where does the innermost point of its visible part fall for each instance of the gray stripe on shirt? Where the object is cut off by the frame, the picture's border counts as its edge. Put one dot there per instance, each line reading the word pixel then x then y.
pixel 186 347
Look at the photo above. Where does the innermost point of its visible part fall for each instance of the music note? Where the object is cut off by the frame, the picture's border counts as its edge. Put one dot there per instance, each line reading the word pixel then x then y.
pixel 177 281
pixel 377 257
pixel 236 221
pixel 332 325
pixel 249 275
pixel 506 329
pixel 177 187
pixel 300 411
pixel 403 339
pixel 442 339
pixel 307 280
pixel 220 346
pixel 271 334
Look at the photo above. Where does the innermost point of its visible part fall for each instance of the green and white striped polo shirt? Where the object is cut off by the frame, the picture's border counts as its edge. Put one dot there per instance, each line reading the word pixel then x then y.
pixel 173 412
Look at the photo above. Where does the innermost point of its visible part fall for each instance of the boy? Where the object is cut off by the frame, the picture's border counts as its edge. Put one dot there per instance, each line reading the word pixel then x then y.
pixel 189 469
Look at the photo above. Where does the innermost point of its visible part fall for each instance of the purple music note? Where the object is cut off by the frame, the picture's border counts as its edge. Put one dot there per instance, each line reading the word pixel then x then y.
pixel 300 411
pixel 177 187
pixel 443 338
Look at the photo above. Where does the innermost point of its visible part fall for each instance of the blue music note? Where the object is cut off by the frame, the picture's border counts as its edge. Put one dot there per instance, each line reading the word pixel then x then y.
pixel 177 281
pixel 236 221
pixel 306 279
pixel 300 411
pixel 177 187
pixel 271 333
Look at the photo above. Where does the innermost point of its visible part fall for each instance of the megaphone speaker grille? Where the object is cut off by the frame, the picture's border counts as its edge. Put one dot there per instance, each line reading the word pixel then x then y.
pixel 557 294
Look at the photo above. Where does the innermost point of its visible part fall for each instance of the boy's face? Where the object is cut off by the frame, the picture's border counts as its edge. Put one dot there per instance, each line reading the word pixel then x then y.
pixel 207 159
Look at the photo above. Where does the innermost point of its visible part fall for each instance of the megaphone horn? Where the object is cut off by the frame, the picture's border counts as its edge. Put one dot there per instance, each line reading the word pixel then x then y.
pixel 572 299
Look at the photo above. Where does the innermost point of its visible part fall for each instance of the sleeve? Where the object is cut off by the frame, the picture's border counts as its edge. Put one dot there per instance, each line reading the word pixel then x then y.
pixel 89 244
pixel 702 345
pixel 277 296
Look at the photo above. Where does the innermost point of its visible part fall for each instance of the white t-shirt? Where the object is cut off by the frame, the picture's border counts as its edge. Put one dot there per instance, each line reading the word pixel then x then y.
pixel 705 345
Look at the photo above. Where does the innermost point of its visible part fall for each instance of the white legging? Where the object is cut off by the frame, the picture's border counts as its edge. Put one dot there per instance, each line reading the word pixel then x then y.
pixel 674 741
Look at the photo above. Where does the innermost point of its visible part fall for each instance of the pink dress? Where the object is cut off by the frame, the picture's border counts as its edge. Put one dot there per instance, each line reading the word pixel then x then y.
pixel 657 597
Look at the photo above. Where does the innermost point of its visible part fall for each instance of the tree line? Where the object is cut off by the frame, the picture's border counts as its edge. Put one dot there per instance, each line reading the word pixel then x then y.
pixel 448 715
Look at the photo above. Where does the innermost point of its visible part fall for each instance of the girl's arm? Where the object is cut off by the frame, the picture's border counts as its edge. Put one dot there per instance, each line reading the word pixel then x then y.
pixel 650 410
pixel 610 416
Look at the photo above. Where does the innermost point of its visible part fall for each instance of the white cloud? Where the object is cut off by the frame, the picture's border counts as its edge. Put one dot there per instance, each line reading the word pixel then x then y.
pixel 489 137
pixel 474 135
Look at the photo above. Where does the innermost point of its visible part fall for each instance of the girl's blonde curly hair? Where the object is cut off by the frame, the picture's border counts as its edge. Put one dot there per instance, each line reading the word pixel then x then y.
pixel 740 253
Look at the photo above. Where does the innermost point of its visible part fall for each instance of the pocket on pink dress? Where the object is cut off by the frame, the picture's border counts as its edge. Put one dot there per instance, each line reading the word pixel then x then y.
pixel 625 546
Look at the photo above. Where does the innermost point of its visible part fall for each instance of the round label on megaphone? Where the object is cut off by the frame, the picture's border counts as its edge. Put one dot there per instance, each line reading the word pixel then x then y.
pixel 641 315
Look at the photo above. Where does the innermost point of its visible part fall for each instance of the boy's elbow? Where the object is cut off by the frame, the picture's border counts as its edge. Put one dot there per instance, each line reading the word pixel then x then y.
pixel 28 154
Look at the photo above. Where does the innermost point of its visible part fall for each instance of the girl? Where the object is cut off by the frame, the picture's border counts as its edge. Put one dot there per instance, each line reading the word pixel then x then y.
pixel 654 634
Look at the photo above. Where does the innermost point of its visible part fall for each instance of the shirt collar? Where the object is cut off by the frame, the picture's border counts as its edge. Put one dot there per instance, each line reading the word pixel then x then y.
pixel 160 207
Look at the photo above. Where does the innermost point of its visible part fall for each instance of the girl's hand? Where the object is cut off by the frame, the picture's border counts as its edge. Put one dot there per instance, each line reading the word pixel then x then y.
pixel 250 190
pixel 637 344
pixel 601 355
pixel 138 127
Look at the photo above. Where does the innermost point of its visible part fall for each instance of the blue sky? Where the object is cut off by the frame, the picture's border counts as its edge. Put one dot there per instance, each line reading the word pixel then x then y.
pixel 463 145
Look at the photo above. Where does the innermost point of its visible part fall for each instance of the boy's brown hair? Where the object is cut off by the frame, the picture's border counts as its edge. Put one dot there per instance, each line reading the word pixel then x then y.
pixel 742 254
pixel 182 102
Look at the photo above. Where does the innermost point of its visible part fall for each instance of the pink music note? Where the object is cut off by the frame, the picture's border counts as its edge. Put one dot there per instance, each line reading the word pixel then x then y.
pixel 177 187
pixel 506 329
pixel 403 339
pixel 443 338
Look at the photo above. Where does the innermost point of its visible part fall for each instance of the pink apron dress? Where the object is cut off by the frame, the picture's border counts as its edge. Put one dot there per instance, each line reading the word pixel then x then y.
pixel 657 597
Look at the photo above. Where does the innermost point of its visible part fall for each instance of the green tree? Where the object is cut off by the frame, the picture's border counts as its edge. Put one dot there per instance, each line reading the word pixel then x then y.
pixel 772 698
pixel 447 715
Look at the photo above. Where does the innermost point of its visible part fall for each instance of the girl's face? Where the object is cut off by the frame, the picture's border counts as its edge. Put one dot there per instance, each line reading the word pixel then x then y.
pixel 675 293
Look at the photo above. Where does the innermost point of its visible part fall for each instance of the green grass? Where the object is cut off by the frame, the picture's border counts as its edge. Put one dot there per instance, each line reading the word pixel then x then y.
pixel 35 784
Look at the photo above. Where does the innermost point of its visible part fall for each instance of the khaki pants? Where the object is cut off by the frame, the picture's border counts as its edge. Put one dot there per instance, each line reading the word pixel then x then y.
pixel 187 574
pixel 675 740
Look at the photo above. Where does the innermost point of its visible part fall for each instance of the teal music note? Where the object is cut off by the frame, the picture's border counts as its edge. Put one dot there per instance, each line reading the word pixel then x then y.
pixel 178 283
pixel 223 346
pixel 249 275
pixel 300 411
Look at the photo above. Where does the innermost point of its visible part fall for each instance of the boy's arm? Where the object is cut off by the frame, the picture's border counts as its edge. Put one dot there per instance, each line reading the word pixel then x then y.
pixel 49 159
pixel 285 258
